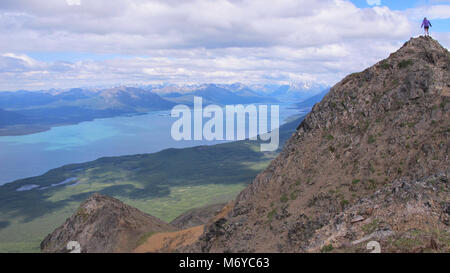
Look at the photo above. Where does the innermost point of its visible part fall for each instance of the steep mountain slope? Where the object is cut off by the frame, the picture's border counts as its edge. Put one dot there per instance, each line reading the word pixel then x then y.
pixel 375 129
pixel 168 242
pixel 176 241
pixel 197 216
pixel 104 224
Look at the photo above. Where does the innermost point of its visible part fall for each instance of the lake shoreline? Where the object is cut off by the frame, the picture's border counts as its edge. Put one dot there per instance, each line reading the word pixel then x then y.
pixel 41 152
pixel 30 129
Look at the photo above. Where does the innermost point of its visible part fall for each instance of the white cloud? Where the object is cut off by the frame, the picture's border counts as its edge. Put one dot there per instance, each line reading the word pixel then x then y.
pixel 431 12
pixel 374 2
pixel 184 41
pixel 279 64
pixel 73 2
pixel 137 26
pixel 22 57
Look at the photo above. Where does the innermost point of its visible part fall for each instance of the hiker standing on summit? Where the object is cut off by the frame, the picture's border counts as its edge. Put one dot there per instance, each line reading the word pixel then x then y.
pixel 426 25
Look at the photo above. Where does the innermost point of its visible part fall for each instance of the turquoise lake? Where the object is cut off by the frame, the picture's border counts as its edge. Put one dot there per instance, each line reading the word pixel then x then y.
pixel 32 155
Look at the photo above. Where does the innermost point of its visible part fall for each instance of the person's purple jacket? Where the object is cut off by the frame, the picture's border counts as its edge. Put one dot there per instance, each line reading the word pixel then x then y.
pixel 426 23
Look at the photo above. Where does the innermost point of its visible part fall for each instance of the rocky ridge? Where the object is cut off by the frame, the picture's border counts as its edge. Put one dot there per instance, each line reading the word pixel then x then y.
pixel 387 124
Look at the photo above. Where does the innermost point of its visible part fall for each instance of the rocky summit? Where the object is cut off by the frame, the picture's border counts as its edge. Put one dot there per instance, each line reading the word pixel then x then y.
pixel 104 224
pixel 369 162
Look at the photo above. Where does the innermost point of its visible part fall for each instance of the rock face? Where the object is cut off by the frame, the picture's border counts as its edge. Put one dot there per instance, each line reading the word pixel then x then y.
pixel 103 225
pixel 405 216
pixel 373 154
pixel 197 217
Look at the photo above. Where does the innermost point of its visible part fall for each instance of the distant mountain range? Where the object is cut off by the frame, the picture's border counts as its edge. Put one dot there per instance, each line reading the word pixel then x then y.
pixel 10 118
pixel 298 91
pixel 25 112
pixel 215 94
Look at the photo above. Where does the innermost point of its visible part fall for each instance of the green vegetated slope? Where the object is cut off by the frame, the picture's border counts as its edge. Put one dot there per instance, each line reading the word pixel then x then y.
pixel 164 184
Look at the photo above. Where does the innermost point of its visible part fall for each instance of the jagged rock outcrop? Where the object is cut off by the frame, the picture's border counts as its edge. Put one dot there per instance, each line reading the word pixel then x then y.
pixel 405 216
pixel 375 131
pixel 104 224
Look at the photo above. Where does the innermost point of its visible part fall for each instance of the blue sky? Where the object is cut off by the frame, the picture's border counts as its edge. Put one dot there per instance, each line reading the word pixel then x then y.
pixel 73 43
pixel 440 25
pixel 72 56
pixel 396 4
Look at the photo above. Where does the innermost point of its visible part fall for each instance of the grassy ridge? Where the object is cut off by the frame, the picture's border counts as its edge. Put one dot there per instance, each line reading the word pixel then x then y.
pixel 164 184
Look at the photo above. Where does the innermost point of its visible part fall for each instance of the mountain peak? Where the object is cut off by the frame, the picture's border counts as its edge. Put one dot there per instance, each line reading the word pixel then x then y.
pixel 423 42
pixel 104 224
pixel 386 124
pixel 423 48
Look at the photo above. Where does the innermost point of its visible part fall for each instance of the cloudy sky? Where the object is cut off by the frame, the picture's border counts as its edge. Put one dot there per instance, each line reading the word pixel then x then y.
pixel 73 43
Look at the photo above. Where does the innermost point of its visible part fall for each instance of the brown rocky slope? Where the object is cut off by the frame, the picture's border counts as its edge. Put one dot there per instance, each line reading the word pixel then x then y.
pixel 198 216
pixel 369 162
pixel 104 224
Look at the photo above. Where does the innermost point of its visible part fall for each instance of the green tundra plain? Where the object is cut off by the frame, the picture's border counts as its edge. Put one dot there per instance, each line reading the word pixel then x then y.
pixel 164 184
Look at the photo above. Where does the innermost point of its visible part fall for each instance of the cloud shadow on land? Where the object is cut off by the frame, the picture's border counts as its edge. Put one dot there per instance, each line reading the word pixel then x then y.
pixel 139 177
pixel 4 224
